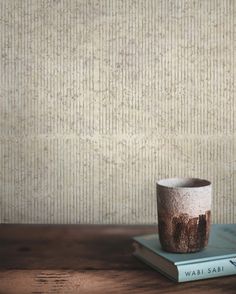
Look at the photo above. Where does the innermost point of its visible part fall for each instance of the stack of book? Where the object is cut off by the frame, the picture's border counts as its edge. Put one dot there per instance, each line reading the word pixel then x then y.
pixel 216 260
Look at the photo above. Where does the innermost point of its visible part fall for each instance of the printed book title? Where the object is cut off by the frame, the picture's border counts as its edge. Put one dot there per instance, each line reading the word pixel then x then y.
pixel 210 270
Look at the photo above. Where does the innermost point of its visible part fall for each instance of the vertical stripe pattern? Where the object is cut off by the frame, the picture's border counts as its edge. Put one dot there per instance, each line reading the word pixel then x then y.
pixel 99 99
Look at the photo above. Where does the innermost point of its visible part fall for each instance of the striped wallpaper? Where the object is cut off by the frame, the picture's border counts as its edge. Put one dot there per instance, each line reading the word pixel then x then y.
pixel 99 99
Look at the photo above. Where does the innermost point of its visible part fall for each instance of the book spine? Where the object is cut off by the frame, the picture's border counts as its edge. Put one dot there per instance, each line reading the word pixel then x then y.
pixel 207 269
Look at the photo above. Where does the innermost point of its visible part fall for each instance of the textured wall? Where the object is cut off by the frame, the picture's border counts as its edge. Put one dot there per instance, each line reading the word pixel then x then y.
pixel 98 99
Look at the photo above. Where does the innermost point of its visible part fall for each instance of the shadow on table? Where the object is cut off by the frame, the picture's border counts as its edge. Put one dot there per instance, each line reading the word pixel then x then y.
pixel 69 246
pixel 101 253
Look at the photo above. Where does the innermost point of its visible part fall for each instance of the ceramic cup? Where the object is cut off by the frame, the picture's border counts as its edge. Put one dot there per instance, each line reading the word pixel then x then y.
pixel 184 214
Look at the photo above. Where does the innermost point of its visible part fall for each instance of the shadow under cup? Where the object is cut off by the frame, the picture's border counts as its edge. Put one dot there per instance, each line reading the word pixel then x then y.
pixel 184 214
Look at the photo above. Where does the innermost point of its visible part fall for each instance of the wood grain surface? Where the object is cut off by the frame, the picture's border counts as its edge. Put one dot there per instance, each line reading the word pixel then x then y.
pixel 84 259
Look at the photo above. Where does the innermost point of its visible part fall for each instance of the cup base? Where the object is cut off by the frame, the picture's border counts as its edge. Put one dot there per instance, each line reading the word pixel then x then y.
pixel 182 233
pixel 183 252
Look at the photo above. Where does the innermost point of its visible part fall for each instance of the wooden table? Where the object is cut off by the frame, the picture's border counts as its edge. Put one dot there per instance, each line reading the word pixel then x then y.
pixel 71 259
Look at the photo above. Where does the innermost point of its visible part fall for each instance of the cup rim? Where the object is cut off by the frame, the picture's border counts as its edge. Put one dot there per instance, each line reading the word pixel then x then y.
pixel 184 183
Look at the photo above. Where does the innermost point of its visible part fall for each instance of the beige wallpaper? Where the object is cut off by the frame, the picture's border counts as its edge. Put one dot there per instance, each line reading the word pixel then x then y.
pixel 99 99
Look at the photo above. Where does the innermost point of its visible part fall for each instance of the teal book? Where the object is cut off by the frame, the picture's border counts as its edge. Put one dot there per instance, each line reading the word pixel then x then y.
pixel 216 260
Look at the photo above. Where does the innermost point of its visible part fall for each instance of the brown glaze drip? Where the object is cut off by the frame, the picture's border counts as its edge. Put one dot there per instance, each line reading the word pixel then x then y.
pixel 182 233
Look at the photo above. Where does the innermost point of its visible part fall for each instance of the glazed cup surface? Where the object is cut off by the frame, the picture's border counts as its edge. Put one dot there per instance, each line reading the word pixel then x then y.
pixel 184 214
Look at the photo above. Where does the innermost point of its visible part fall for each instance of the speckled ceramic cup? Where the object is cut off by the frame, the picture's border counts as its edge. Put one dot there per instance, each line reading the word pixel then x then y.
pixel 184 214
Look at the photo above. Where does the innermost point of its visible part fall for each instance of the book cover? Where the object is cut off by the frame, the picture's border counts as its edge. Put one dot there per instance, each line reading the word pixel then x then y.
pixel 217 259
